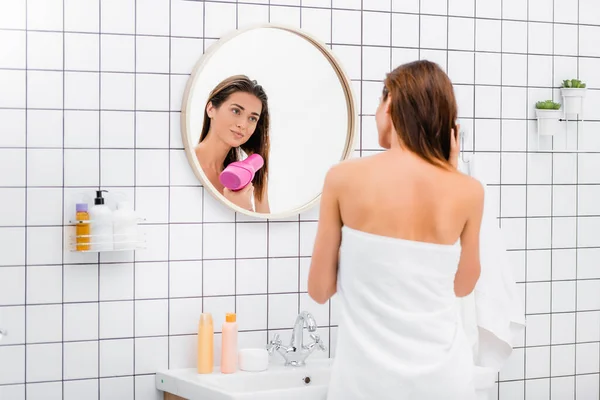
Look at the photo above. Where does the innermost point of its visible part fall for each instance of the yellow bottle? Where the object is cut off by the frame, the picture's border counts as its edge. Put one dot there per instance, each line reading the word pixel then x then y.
pixel 205 344
pixel 82 230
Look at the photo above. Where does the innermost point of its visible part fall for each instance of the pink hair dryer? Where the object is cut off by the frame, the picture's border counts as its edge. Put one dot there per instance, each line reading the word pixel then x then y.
pixel 239 174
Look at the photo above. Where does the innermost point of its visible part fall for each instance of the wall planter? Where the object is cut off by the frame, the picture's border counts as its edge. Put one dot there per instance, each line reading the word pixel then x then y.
pixel 548 114
pixel 573 92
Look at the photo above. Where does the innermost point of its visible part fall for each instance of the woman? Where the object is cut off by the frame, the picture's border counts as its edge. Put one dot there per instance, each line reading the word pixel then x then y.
pixel 403 226
pixel 236 119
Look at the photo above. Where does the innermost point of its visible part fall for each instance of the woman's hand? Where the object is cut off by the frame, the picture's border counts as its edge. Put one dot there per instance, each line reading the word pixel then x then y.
pixel 454 146
pixel 241 198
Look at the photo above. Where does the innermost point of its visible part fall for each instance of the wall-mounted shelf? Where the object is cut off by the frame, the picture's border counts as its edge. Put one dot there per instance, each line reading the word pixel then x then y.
pixel 101 244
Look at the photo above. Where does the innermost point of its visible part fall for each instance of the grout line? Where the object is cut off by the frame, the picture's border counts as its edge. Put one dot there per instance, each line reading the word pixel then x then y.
pixel 26 270
pixel 170 194
pixel 135 27
pixel 100 113
pixel 526 202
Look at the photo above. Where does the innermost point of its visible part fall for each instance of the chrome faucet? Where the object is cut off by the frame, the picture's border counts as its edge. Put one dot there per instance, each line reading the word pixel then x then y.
pixel 296 353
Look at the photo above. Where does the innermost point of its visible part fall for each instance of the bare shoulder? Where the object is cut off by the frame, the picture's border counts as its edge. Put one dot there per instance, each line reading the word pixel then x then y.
pixel 344 171
pixel 472 189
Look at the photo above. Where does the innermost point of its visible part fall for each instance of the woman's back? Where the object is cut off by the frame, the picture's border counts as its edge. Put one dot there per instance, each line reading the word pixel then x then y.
pixel 396 194
pixel 398 336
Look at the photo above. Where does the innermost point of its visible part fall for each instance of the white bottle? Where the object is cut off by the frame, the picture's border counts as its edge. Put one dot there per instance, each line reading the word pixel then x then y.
pixel 125 227
pixel 101 224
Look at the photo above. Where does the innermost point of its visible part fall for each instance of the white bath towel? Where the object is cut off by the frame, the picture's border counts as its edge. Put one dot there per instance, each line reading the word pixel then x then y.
pixel 494 314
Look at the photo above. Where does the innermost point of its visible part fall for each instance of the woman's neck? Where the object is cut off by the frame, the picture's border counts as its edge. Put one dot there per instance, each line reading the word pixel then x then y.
pixel 212 151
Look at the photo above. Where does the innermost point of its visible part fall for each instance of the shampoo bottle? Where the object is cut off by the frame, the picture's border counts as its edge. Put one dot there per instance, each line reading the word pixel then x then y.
pixel 229 348
pixel 125 227
pixel 101 224
pixel 205 344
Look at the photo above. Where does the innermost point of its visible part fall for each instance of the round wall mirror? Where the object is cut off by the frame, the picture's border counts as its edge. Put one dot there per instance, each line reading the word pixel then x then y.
pixel 266 112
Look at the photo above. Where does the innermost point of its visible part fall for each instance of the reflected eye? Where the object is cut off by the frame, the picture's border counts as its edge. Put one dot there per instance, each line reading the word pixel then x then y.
pixel 235 110
pixel 253 119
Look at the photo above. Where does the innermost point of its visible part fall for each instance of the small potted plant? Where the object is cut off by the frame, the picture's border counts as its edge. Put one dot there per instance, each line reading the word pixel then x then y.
pixel 573 91
pixel 548 114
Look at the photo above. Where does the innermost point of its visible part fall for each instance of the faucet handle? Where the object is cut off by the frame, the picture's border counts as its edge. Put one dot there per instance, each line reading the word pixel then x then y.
pixel 318 341
pixel 274 344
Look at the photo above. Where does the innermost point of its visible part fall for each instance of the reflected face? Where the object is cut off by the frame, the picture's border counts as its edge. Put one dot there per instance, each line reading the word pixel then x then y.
pixel 236 119
pixel 384 122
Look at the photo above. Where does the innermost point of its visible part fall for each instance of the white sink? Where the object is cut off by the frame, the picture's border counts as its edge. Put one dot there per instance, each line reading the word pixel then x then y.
pixel 278 382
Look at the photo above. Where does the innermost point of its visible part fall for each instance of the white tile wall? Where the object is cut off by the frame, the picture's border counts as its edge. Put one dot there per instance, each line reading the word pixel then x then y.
pixel 91 95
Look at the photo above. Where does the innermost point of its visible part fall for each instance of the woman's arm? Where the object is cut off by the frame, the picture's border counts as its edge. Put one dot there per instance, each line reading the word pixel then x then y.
pixel 469 267
pixel 322 278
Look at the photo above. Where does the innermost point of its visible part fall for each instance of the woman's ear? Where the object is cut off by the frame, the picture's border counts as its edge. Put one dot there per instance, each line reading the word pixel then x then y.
pixel 210 109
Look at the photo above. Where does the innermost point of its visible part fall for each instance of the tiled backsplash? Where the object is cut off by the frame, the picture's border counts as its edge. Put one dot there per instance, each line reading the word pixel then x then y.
pixel 91 94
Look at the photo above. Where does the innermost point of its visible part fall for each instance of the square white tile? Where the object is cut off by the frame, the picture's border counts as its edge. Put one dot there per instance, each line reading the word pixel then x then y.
pixel 563 360
pixel 12 131
pixel 14 94
pixel 151 354
pixel 13 16
pixel 152 167
pixel 251 240
pixel 82 91
pixel 44 245
pixel 15 252
pixel 183 351
pixel 187 18
pixel 12 206
pixel 43 391
pixel 151 280
pixel 563 328
pixel 82 52
pixel 152 17
pixel 44 362
pixel 153 203
pixel 118 16
pixel 537 362
pixel 283 275
pixel 251 276
pixel 44 284
pixel 44 89
pixel 589 12
pixel 151 317
pixel 283 309
pixel 45 15
pixel 116 319
pixel 116 357
pixel 184 315
pixel 80 283
pixel 343 23
pixel 250 15
pixel 289 16
pixel 44 323
pixel 82 15
pixel 185 242
pixel 152 130
pixel 152 92
pixel 540 38
pixel 315 21
pixel 74 174
pixel 539 201
pixel 219 278
pixel 587 361
pixel 185 279
pixel 81 129
pixel 283 239
pixel 376 28
pixel 118 91
pixel 185 204
pixel 588 384
pixel 219 18
pixel 434 32
pixel 185 54
pixel 12 320
pixel 116 281
pixel 488 35
pixel 80 389
pixel 81 322
pixel 152 54
pixel 513 34
pixel 376 63
pixel 12 49
pixel 117 52
pixel 587 295
pixel 81 360
pixel 116 129
pixel 15 371
pixel 252 312
pixel 540 71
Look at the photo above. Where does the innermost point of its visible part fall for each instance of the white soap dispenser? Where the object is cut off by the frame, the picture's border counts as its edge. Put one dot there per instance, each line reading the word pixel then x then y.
pixel 125 227
pixel 101 224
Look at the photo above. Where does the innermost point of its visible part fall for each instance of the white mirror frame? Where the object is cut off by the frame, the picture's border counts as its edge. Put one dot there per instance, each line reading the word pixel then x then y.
pixel 186 120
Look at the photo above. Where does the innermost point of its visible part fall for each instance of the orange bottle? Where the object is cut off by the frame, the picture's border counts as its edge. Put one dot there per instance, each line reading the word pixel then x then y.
pixel 82 229
pixel 229 348
pixel 205 344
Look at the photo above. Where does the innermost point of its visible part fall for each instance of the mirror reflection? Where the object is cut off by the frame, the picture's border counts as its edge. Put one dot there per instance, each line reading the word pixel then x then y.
pixel 266 113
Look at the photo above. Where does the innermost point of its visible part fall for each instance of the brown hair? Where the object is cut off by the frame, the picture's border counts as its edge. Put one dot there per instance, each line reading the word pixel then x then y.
pixel 259 140
pixel 423 109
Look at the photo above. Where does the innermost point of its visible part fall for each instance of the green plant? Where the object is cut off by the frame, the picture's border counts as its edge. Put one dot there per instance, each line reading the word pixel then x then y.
pixel 573 84
pixel 547 105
